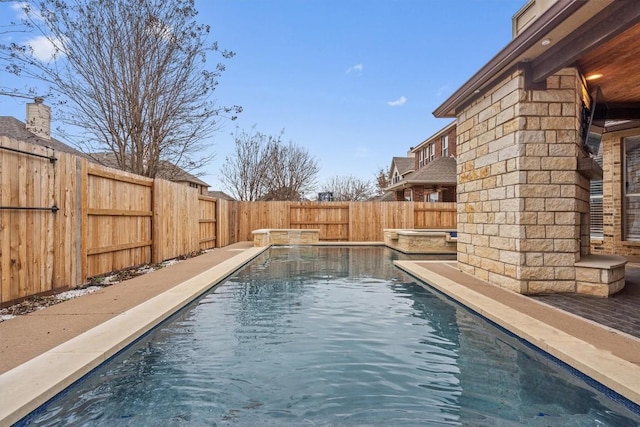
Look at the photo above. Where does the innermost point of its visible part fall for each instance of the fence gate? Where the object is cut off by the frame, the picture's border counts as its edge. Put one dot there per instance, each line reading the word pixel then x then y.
pixel 27 217
pixel 331 219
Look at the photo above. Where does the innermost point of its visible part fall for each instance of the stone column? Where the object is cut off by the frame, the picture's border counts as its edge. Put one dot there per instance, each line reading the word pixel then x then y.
pixel 521 202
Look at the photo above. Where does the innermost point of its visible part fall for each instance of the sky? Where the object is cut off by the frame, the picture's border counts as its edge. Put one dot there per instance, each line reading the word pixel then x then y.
pixel 354 82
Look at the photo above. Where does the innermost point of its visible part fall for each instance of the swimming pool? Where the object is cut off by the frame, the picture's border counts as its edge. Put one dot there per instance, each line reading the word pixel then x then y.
pixel 329 336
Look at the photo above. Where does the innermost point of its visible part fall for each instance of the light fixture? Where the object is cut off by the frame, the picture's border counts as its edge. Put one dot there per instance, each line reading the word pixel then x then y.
pixel 593 76
pixel 545 42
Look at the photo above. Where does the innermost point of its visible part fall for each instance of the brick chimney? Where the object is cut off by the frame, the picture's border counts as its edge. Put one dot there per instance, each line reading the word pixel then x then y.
pixel 39 118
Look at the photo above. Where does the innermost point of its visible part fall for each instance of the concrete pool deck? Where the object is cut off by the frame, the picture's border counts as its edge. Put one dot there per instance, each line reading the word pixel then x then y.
pixel 605 354
pixel 43 352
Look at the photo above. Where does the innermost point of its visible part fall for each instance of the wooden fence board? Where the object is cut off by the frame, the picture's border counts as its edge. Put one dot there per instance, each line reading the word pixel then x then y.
pixel 176 229
pixel 207 222
pixel 227 223
pixel 118 215
pixel 5 226
pixel 435 215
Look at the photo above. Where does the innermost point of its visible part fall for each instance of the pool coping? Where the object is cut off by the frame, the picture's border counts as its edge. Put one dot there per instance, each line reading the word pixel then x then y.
pixel 610 370
pixel 31 384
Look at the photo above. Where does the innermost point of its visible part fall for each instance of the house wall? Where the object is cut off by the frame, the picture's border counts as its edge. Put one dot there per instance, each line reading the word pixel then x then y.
pixel 438 144
pixel 452 143
pixel 522 205
pixel 612 180
pixel 417 193
pixel 420 192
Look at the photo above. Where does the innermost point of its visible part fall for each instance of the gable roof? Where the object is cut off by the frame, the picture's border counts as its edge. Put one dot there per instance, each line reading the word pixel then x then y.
pixel 388 196
pixel 220 195
pixel 15 129
pixel 403 164
pixel 440 171
pixel 171 172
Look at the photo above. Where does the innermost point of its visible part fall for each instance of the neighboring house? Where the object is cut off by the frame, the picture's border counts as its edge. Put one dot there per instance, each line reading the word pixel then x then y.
pixel 221 195
pixel 284 193
pixel 430 174
pixel 173 173
pixel 400 168
pixel 527 156
pixel 36 130
pixel 166 170
pixel 388 196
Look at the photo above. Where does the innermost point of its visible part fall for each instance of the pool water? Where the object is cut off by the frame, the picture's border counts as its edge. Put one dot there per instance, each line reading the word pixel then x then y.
pixel 329 336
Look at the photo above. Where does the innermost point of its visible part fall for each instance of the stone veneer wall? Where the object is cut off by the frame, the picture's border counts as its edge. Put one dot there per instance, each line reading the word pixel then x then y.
pixel 613 203
pixel 522 205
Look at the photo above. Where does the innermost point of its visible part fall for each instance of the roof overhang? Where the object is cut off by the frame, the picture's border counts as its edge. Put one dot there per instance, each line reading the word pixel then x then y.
pixel 573 27
pixel 412 183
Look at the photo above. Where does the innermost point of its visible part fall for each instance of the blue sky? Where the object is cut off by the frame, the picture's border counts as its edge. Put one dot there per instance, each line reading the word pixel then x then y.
pixel 355 82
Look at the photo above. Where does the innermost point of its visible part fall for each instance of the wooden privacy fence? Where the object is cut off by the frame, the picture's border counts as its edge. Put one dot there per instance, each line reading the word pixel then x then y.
pixel 340 221
pixel 64 219
pixel 38 222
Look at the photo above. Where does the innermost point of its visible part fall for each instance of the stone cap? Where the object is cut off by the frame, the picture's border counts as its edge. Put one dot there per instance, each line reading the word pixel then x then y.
pixel 601 261
pixel 419 231
pixel 296 230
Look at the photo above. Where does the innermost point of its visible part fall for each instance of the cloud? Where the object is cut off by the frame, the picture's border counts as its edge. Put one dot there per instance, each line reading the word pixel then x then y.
pixel 20 8
pixel 43 48
pixel 355 69
pixel 26 11
pixel 398 102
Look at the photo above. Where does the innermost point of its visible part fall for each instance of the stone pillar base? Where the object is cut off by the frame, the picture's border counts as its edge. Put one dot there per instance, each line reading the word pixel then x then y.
pixel 600 275
pixel 422 241
pixel 272 236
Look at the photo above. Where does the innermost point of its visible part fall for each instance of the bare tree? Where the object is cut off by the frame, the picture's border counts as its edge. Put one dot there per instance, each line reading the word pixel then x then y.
pixel 129 77
pixel 383 180
pixel 291 172
pixel 243 173
pixel 262 167
pixel 8 32
pixel 349 188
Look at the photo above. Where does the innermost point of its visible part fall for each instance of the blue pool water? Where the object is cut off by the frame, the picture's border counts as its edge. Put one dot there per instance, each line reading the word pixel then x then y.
pixel 329 336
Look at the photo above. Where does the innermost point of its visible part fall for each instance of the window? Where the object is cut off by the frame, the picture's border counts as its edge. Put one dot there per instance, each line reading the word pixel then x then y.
pixel 421 158
pixel 631 218
pixel 432 152
pixel 445 146
pixel 595 204
pixel 396 177
pixel 433 197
